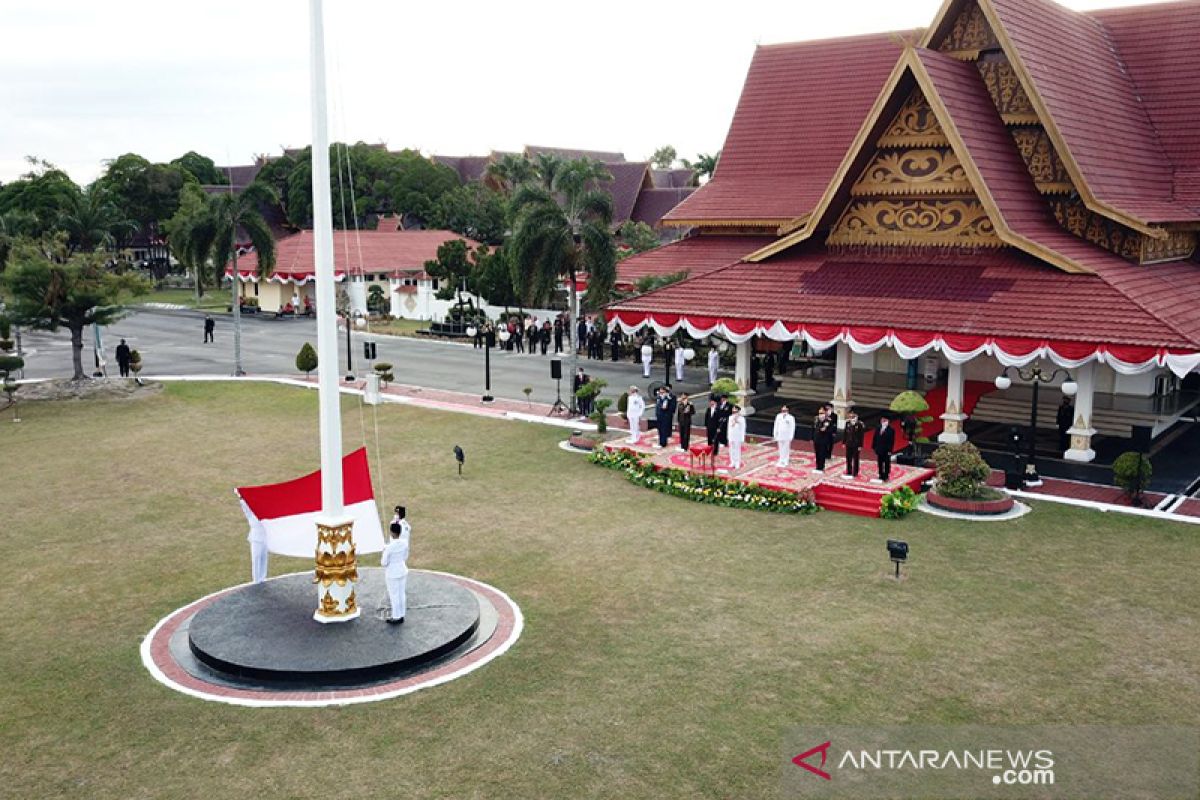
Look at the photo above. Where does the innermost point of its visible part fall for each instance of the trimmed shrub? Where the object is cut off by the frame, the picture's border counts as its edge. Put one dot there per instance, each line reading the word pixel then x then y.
pixel 1126 473
pixel 135 362
pixel 306 359
pixel 599 417
pixel 623 405
pixel 725 386
pixel 10 364
pixel 384 370
pixel 961 471
pixel 912 406
pixel 898 504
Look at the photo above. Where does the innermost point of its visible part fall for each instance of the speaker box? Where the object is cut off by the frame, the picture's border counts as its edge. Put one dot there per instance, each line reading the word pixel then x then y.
pixel 556 368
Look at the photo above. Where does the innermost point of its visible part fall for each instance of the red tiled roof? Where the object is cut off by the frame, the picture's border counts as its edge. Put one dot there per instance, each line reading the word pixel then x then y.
pixel 369 251
pixel 990 293
pixel 1092 100
pixel 697 255
pixel 1158 47
pixel 800 109
pixel 654 204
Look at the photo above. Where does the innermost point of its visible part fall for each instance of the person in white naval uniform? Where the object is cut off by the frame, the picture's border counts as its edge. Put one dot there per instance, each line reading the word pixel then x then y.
pixel 395 566
pixel 714 363
pixel 257 537
pixel 785 431
pixel 680 359
pixel 737 437
pixel 647 358
pixel 634 408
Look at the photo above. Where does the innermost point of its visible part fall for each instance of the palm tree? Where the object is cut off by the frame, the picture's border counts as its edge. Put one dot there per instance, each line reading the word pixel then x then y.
pixel 213 236
pixel 92 220
pixel 510 171
pixel 704 165
pixel 562 230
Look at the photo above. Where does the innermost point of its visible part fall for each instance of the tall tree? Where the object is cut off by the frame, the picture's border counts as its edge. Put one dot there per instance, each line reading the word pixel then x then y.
pixel 636 237
pixel 190 233
pixel 92 220
pixel 38 197
pixel 147 193
pixel 65 291
pixel 475 211
pixel 562 231
pixel 202 168
pixel 664 157
pixel 509 171
pixel 214 235
pixel 704 165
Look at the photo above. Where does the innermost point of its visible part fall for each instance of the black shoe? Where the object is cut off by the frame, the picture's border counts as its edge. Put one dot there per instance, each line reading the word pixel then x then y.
pixel 391 621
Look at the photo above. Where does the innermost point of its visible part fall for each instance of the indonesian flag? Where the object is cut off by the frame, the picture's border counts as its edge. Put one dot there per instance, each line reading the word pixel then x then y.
pixel 288 511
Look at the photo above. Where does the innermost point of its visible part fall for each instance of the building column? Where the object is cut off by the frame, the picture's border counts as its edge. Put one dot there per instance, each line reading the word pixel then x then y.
pixel 1081 432
pixel 396 305
pixel 954 418
pixel 741 373
pixel 841 383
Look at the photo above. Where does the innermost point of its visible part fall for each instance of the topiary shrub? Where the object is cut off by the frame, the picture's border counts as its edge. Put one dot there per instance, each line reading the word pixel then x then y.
pixel 725 386
pixel 912 406
pixel 1127 475
pixel 135 362
pixel 599 416
pixel 6 343
pixel 623 405
pixel 10 364
pixel 384 370
pixel 961 471
pixel 306 359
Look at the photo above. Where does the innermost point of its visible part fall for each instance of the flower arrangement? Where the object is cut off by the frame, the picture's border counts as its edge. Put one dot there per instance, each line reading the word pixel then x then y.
pixel 705 489
pixel 898 504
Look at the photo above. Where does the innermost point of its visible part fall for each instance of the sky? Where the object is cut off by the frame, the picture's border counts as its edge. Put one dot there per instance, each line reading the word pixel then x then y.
pixel 83 81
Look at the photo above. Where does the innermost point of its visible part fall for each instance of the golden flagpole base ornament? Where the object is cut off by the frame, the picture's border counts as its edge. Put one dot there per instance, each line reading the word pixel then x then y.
pixel 336 572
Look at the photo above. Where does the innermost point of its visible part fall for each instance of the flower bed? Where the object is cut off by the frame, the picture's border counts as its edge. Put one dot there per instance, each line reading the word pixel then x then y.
pixel 703 488
pixel 584 441
pixel 985 506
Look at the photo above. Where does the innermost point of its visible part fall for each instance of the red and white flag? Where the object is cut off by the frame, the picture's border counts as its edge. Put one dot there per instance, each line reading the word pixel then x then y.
pixel 288 511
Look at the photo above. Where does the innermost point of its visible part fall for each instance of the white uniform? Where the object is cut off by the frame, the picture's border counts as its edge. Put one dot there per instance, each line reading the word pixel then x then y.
pixel 737 437
pixel 679 362
pixel 395 569
pixel 785 431
pixel 714 363
pixel 634 410
pixel 647 356
pixel 257 537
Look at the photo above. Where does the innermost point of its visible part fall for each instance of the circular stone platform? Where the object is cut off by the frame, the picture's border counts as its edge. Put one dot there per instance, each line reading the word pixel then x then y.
pixel 258 645
pixel 266 630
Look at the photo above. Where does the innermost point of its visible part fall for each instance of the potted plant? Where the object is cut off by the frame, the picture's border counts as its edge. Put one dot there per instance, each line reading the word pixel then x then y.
pixel 528 392
pixel 962 483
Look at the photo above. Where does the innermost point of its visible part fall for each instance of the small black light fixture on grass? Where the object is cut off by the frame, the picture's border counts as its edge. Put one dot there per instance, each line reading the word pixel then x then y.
pixel 898 552
pixel 460 457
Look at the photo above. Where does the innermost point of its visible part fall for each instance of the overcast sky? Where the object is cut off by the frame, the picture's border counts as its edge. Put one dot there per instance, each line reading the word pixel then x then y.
pixel 83 81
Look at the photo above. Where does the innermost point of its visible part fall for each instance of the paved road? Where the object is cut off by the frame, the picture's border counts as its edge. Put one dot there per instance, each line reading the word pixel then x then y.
pixel 171 343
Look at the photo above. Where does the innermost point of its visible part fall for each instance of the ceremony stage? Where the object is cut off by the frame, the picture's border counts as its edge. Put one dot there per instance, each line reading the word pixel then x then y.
pixel 831 491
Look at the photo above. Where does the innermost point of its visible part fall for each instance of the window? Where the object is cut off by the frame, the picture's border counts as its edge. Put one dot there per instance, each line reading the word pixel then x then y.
pixel 435 284
pixel 256 289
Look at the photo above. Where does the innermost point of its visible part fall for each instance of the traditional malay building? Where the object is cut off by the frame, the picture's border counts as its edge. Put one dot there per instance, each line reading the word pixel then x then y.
pixel 1016 184
pixel 392 260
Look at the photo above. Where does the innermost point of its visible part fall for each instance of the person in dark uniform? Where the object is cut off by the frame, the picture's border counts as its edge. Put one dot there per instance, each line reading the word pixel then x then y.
pixel 822 439
pixel 1065 419
pixel 546 333
pixel 531 336
pixel 852 437
pixel 581 380
pixel 124 356
pixel 769 369
pixel 885 440
pixel 518 338
pixel 558 335
pixel 209 326
pixel 712 425
pixel 489 336
pixel 614 341
pixel 685 413
pixel 478 338
pixel 829 412
pixel 664 415
pixel 581 328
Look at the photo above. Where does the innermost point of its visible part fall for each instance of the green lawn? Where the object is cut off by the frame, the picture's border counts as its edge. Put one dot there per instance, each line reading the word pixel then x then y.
pixel 667 644
pixel 213 300
pixel 399 327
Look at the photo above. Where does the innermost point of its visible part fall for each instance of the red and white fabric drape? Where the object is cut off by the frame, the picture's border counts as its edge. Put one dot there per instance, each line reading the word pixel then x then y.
pixel 957 348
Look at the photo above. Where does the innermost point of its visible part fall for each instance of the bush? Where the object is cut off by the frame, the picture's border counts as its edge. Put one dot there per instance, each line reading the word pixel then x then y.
pixel 135 362
pixel 384 370
pixel 590 389
pixel 623 405
pixel 249 302
pixel 5 328
pixel 598 416
pixel 725 386
pixel 10 364
pixel 1126 475
pixel 912 406
pixel 961 471
pixel 306 359
pixel 899 504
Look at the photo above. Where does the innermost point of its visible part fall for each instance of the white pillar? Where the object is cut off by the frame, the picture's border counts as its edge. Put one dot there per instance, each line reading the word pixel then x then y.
pixel 741 373
pixel 356 291
pixel 954 417
pixel 1081 432
pixel 841 383
pixel 396 306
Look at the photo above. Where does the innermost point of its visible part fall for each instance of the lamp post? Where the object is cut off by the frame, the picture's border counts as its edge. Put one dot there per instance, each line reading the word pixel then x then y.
pixel 487 360
pixel 1035 376
pixel 352 321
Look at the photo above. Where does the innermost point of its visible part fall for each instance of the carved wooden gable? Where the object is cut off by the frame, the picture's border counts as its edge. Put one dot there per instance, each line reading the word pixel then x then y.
pixel 914 191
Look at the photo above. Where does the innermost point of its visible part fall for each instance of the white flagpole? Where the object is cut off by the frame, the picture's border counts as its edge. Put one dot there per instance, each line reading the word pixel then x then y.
pixel 327 355
pixel 336 567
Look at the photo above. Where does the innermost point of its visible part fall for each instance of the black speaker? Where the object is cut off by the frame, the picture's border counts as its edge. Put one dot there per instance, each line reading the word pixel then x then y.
pixel 369 351
pixel 556 368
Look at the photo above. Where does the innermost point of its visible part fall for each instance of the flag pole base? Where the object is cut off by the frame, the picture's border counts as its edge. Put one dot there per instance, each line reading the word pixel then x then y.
pixel 336 574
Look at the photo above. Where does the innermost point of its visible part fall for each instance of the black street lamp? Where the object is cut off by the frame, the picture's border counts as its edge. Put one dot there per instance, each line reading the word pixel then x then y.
pixel 487 360
pixel 1035 376
pixel 352 320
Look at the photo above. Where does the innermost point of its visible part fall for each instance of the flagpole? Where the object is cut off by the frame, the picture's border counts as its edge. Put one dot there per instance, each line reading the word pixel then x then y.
pixel 336 570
